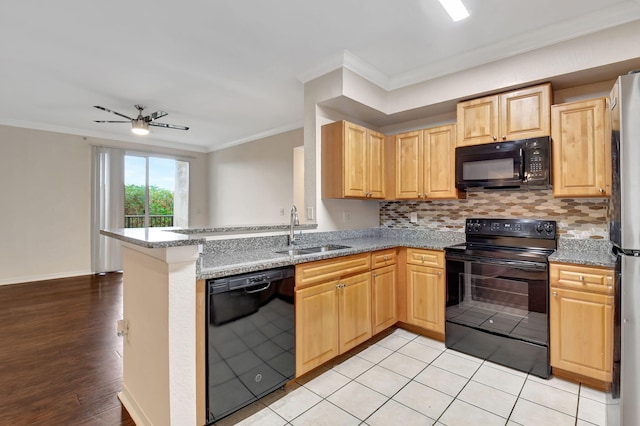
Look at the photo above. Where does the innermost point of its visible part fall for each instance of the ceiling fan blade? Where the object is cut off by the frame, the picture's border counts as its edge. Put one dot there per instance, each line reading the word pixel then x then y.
pixel 112 112
pixel 111 121
pixel 157 114
pixel 168 126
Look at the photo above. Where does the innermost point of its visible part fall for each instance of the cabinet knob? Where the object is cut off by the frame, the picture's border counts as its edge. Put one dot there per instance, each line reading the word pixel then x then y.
pixel 423 258
pixel 504 138
pixel 495 138
pixel 440 273
pixel 426 194
pixel 581 278
pixel 555 294
pixel 385 258
pixel 375 275
pixel 601 190
pixel 419 194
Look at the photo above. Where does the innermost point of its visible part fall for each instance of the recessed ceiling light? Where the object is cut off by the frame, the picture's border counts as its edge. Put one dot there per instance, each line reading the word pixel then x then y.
pixel 455 9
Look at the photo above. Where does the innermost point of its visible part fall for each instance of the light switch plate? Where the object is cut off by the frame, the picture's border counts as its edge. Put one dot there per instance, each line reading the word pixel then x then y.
pixel 413 217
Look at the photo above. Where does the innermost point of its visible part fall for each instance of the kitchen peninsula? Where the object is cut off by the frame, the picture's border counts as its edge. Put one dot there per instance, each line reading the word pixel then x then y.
pixel 163 329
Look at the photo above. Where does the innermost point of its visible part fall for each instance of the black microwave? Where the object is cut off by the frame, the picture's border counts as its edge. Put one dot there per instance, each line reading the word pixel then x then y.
pixel 524 163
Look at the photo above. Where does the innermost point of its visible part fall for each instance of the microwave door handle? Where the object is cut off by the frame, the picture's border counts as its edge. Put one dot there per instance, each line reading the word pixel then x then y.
pixel 522 178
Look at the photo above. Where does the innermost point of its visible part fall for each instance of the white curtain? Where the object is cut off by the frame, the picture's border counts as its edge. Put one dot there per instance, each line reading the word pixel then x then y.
pixel 107 209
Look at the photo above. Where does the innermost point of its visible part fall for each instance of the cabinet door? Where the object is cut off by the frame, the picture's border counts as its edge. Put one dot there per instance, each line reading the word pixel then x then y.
pixel 425 297
pixel 581 332
pixel 439 161
pixel 477 121
pixel 525 113
pixel 316 325
pixel 355 159
pixel 354 311
pixel 408 148
pixel 375 165
pixel 579 163
pixel 383 298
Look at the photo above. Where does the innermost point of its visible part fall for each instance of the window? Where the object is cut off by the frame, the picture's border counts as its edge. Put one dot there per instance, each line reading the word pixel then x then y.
pixel 156 192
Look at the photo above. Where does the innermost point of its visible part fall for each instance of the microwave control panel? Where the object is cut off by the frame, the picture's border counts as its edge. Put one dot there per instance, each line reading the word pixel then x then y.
pixel 537 161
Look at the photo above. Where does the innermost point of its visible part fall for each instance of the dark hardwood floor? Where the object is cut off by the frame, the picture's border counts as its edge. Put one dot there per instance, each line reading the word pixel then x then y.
pixel 60 357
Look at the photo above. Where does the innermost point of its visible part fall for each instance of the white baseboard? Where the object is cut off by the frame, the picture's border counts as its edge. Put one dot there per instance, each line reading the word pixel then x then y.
pixel 31 278
pixel 134 410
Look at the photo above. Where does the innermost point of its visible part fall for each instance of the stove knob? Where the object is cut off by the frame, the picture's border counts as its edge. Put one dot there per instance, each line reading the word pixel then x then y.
pixel 476 227
pixel 539 228
pixel 548 227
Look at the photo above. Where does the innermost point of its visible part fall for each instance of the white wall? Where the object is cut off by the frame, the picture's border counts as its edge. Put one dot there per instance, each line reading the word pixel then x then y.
pixel 45 202
pixel 252 183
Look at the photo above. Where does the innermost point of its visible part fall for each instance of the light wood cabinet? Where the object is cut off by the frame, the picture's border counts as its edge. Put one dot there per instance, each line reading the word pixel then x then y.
pixel 384 309
pixel 581 320
pixel 581 155
pixel 425 289
pixel 333 308
pixel 518 114
pixel 425 164
pixel 354 316
pixel 353 161
pixel 316 325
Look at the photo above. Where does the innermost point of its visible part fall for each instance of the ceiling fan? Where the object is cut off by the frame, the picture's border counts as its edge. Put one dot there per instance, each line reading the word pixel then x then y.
pixel 140 124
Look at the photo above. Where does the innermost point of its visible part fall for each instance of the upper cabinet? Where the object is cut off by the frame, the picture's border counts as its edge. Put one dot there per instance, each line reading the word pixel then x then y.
pixel 513 115
pixel 425 164
pixel 581 156
pixel 352 161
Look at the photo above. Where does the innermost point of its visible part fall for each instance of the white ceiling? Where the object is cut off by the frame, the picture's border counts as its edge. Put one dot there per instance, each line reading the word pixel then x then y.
pixel 233 70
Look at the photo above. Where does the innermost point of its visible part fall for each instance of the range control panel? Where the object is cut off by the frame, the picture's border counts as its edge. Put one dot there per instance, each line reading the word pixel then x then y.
pixel 527 228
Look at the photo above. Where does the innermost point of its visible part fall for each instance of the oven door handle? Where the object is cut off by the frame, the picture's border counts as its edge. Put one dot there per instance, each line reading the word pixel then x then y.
pixel 519 264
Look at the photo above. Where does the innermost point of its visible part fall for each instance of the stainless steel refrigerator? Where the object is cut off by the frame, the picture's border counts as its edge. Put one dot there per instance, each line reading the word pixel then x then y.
pixel 624 233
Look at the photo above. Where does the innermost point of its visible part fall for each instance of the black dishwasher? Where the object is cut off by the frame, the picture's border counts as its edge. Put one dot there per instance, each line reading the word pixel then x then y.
pixel 250 338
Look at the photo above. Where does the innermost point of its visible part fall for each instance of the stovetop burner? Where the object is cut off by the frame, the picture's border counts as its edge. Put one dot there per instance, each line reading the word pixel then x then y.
pixel 501 252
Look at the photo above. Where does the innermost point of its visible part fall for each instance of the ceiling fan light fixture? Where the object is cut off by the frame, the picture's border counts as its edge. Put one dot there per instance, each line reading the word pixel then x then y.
pixel 140 127
pixel 455 8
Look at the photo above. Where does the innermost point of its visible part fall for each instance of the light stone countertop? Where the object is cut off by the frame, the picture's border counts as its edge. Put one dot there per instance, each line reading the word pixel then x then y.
pixel 584 252
pixel 232 256
pixel 242 261
pixel 176 237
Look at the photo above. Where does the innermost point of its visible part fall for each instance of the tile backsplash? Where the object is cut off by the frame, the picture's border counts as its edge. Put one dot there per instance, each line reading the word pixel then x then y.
pixel 577 218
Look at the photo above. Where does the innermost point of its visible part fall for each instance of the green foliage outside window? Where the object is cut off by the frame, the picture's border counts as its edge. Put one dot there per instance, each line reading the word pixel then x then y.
pixel 160 200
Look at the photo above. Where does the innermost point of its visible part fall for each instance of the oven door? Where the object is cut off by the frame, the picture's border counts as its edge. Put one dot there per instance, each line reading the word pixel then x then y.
pixel 497 309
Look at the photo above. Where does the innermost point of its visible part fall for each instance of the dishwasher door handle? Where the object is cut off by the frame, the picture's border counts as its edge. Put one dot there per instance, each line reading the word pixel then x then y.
pixel 257 290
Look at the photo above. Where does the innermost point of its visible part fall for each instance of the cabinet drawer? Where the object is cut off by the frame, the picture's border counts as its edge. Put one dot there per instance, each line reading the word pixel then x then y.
pixel 577 277
pixel 383 258
pixel 433 258
pixel 330 269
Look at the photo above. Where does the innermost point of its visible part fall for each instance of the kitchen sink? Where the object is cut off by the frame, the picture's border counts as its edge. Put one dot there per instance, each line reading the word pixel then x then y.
pixel 310 250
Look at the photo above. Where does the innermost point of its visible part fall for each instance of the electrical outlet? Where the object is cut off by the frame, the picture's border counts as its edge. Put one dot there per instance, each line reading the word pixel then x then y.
pixel 346 216
pixel 413 217
pixel 282 211
pixel 309 213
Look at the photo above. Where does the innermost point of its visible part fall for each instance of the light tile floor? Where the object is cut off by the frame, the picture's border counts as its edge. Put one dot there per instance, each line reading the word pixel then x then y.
pixel 407 379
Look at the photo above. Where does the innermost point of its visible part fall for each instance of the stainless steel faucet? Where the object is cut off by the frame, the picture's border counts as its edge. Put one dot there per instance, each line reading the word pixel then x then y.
pixel 293 222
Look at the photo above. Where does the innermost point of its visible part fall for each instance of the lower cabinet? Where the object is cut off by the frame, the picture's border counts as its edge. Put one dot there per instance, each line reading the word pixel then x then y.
pixel 316 326
pixel 333 315
pixel 384 290
pixel 581 320
pixel 426 289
